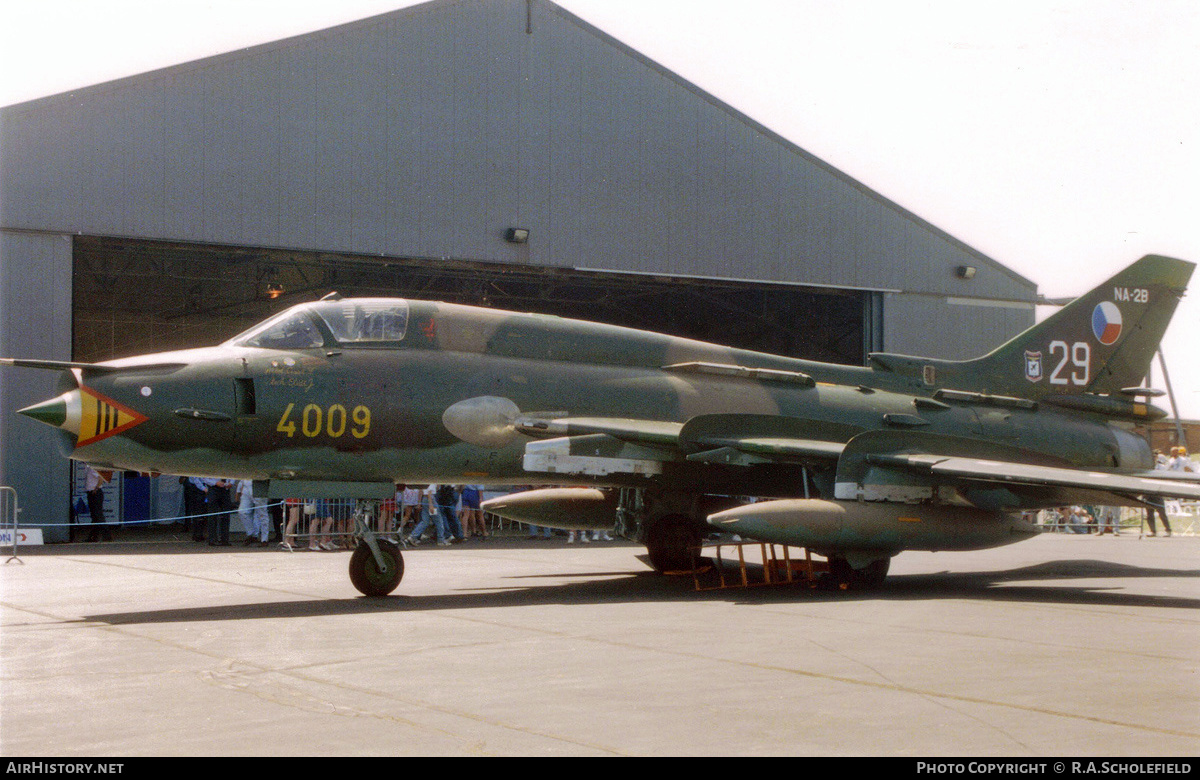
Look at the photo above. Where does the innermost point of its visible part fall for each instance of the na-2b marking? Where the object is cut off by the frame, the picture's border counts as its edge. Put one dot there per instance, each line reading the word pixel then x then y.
pixel 1131 295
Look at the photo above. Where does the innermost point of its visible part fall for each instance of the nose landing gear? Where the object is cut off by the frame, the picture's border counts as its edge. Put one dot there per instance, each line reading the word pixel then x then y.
pixel 376 572
pixel 376 565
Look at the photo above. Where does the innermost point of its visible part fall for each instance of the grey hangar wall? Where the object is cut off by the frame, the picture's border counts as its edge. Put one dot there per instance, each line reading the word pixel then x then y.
pixel 419 138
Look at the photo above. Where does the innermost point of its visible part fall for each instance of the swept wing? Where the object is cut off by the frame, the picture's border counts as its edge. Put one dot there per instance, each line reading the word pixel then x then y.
pixel 1142 484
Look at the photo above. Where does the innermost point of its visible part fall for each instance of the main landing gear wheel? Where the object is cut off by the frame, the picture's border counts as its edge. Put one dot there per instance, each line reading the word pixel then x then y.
pixel 871 577
pixel 366 574
pixel 843 576
pixel 670 543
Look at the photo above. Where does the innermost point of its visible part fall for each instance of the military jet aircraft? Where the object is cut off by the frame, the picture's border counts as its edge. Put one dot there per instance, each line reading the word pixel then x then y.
pixel 345 397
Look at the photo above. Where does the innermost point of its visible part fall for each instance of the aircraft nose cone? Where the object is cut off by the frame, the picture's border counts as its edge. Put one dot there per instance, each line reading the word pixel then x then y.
pixel 61 412
pixel 52 412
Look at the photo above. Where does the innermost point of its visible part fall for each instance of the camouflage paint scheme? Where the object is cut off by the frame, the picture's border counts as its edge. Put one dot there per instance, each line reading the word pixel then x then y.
pixel 347 397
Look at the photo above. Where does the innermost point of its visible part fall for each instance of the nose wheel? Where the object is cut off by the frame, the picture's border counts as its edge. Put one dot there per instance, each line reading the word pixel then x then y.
pixel 376 575
pixel 376 565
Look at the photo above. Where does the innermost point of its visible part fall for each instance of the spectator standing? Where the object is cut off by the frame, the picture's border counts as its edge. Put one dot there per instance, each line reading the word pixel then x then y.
pixel 434 517
pixel 219 505
pixel 199 510
pixel 193 504
pixel 472 515
pixel 1155 505
pixel 410 508
pixel 294 508
pixel 321 526
pixel 253 514
pixel 94 482
pixel 446 498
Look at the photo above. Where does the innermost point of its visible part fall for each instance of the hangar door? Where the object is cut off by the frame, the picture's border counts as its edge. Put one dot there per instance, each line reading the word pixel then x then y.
pixel 133 296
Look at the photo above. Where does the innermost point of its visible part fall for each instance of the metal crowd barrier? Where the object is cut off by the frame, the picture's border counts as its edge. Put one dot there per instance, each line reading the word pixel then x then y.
pixel 9 509
pixel 334 529
pixel 1184 517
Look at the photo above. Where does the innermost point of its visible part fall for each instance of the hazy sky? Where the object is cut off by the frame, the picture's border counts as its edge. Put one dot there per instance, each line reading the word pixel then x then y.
pixel 1060 138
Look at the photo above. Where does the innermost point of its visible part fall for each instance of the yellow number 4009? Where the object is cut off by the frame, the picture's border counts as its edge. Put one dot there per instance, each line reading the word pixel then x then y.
pixel 332 421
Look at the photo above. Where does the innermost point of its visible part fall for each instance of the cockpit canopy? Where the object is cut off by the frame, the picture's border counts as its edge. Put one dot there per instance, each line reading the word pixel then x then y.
pixel 349 323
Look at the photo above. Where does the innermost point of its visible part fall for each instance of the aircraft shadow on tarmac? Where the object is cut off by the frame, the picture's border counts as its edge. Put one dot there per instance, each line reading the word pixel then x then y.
pixel 592 588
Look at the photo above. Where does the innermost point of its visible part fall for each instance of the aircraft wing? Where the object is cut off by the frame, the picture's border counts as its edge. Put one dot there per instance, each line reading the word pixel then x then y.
pixel 1028 474
pixel 64 365
pixel 651 432
pixel 50 365
pixel 598 445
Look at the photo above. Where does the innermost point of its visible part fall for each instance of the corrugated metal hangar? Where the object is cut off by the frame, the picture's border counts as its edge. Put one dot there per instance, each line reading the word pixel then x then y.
pixel 502 152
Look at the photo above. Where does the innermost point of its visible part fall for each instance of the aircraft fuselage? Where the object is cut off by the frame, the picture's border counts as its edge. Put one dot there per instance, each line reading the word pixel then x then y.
pixel 345 412
pixel 348 397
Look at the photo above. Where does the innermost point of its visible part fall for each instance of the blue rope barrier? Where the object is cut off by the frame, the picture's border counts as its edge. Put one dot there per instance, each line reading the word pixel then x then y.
pixel 142 522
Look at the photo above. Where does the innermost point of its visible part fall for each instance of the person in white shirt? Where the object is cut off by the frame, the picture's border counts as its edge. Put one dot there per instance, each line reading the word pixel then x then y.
pixel 94 483
pixel 253 513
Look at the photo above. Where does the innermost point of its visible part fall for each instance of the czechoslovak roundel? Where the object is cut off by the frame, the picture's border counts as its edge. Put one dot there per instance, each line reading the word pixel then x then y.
pixel 1106 323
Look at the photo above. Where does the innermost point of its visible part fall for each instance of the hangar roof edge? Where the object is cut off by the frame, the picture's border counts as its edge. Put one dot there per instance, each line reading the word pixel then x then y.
pixel 790 145
pixel 591 29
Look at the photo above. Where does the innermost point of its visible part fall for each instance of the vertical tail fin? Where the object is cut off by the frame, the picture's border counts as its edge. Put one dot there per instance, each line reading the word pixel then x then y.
pixel 1101 342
